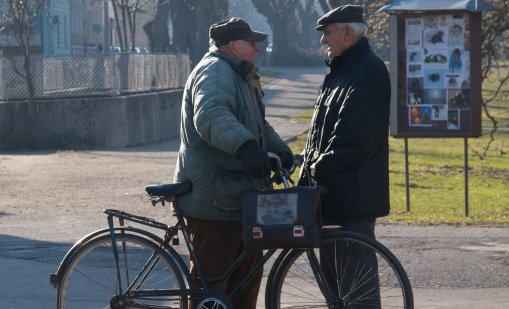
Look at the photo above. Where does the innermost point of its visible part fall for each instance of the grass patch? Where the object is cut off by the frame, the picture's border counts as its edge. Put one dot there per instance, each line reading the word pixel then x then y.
pixel 437 183
pixel 268 75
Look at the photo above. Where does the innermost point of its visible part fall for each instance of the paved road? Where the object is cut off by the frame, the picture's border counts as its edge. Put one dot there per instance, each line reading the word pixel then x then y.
pixel 49 199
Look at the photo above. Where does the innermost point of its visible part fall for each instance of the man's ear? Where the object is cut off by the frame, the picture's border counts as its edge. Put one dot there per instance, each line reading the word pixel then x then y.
pixel 348 32
pixel 232 47
pixel 352 36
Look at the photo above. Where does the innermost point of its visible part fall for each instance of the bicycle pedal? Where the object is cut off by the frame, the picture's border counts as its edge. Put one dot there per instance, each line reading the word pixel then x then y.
pixel 175 241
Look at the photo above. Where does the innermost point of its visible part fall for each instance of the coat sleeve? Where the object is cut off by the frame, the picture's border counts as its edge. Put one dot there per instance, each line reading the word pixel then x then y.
pixel 215 108
pixel 362 119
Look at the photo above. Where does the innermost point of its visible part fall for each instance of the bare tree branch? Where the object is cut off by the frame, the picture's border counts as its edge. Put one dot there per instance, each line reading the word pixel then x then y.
pixel 18 23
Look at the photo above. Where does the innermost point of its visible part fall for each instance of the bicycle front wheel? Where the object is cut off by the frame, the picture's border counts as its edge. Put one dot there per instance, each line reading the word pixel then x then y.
pixel 347 271
pixel 90 278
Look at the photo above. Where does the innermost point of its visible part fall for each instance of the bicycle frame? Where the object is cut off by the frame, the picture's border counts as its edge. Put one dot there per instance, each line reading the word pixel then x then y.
pixel 170 232
pixel 128 291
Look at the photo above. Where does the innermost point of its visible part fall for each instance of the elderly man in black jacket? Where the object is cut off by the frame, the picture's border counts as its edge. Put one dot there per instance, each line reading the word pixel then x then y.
pixel 347 149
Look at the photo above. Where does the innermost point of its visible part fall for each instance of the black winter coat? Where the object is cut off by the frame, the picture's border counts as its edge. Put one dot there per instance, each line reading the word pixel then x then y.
pixel 347 149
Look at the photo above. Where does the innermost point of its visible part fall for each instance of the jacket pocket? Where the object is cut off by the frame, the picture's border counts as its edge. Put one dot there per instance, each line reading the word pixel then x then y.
pixel 229 187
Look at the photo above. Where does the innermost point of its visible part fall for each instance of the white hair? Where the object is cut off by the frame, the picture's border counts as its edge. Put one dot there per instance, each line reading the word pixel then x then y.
pixel 359 28
pixel 213 48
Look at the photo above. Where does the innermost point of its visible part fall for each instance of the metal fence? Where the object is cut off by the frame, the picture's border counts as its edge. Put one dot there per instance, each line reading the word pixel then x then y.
pixel 101 74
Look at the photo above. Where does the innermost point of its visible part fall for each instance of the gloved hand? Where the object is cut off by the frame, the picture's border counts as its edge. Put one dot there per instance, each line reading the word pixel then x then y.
pixel 286 159
pixel 255 160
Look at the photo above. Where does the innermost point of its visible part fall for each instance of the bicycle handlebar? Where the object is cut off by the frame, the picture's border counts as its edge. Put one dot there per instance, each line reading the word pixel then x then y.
pixel 282 173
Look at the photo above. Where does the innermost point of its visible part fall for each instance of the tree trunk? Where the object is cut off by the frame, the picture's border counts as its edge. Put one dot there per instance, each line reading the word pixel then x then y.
pixel 132 28
pixel 183 25
pixel 282 52
pixel 191 22
pixel 124 25
pixel 160 40
pixel 281 17
pixel 117 22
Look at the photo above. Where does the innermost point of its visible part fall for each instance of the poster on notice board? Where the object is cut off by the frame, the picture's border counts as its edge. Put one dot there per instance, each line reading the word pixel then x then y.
pixel 435 91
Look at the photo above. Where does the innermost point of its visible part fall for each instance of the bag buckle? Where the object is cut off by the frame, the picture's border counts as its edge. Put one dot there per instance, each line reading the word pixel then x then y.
pixel 257 232
pixel 298 230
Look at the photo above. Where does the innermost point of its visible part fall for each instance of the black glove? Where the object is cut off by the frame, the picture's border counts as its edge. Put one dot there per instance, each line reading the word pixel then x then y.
pixel 255 160
pixel 286 159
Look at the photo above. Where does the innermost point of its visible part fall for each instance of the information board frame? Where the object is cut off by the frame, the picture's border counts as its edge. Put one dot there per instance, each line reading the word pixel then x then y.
pixel 436 74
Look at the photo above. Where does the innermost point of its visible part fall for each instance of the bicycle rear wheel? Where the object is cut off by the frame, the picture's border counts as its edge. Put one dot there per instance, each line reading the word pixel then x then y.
pixel 356 272
pixel 89 279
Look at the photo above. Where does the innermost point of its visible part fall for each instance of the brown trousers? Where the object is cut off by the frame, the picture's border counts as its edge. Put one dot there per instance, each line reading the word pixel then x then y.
pixel 217 245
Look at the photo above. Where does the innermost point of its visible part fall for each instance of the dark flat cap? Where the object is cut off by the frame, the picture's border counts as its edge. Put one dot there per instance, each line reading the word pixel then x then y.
pixel 234 29
pixel 343 14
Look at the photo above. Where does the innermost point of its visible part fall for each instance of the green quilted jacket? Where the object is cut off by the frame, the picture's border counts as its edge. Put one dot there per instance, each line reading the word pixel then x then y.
pixel 219 114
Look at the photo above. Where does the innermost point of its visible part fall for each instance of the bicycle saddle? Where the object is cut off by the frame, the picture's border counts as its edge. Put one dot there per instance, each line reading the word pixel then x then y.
pixel 169 189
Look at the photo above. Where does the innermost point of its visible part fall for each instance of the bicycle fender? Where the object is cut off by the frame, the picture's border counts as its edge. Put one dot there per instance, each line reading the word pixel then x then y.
pixel 55 277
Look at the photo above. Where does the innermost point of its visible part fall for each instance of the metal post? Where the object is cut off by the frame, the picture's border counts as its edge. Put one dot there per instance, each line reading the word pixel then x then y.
pixel 466 175
pixel 407 183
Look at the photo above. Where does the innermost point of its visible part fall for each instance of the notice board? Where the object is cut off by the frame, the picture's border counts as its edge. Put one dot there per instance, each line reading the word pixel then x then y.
pixel 436 74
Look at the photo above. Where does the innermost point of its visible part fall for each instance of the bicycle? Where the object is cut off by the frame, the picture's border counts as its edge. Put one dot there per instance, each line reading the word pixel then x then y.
pixel 127 266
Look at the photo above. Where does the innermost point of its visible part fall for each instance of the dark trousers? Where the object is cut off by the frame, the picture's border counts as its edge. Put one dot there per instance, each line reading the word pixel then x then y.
pixel 342 265
pixel 217 245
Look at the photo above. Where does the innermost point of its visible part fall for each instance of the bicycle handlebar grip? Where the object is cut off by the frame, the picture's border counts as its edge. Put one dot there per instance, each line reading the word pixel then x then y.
pixel 298 159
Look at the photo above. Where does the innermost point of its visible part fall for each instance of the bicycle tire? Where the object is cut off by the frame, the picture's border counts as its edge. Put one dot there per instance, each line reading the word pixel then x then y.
pixel 299 281
pixel 89 278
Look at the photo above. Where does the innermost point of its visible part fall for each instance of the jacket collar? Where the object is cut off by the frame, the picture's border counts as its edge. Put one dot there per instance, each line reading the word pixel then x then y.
pixel 246 69
pixel 348 54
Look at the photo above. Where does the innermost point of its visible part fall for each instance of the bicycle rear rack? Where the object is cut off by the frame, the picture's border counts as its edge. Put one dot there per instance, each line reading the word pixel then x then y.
pixel 134 218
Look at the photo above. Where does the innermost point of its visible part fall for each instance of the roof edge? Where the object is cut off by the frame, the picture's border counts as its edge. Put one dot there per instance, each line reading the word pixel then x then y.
pixel 402 6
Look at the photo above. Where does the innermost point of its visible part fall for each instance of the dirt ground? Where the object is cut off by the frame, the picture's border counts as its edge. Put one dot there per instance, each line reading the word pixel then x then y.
pixel 46 206
pixel 47 195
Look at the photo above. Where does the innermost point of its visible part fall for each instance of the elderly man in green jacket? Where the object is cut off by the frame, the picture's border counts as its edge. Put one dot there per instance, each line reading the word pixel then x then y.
pixel 223 152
